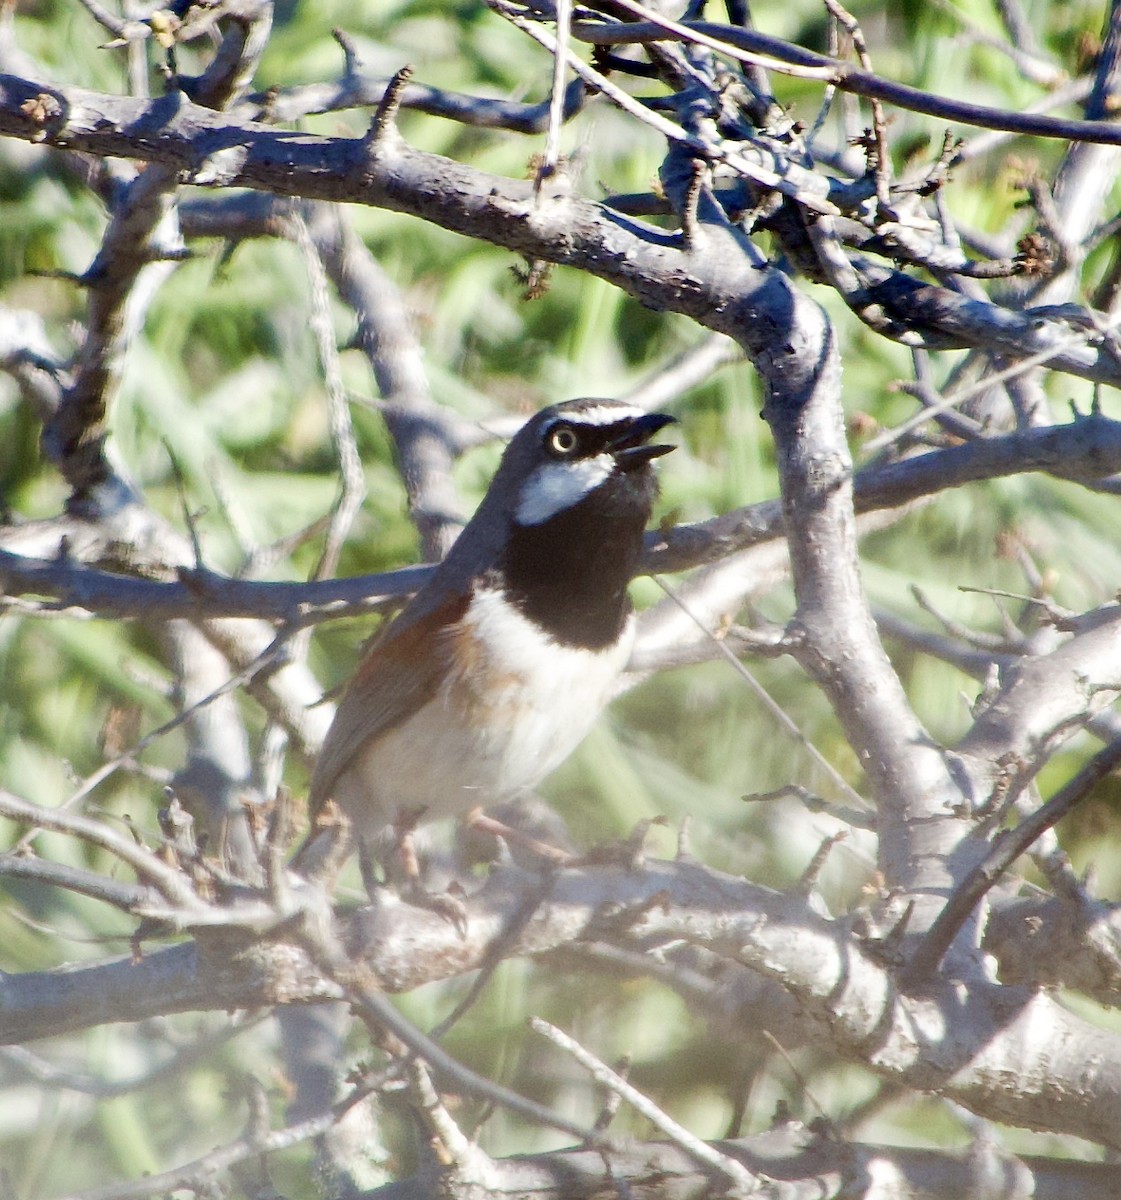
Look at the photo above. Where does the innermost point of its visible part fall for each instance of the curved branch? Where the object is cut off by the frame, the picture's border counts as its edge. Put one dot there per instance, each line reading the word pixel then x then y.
pixel 808 64
pixel 385 335
pixel 199 593
pixel 1046 698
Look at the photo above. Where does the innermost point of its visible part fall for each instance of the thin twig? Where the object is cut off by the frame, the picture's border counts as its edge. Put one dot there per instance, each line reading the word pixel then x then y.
pixel 712 37
pixel 743 1180
pixel 338 410
pixel 955 398
pixel 881 168
pixel 21 1060
pixel 732 155
pixel 772 707
pixel 1006 849
pixel 551 157
pixel 269 655
pixel 106 19
pixel 755 48
pixel 174 886
pixel 374 1008
pixel 803 1083
pixel 197 1173
pixel 125 896
pixel 471 1162
pixel 666 382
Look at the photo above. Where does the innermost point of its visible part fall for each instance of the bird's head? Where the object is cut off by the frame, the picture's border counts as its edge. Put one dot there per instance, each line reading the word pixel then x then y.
pixel 583 451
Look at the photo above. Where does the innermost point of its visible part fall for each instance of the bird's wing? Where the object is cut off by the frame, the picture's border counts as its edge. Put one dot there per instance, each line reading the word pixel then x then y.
pixel 399 674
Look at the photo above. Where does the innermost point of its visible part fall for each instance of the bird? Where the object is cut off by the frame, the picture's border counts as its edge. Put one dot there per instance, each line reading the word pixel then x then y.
pixel 499 665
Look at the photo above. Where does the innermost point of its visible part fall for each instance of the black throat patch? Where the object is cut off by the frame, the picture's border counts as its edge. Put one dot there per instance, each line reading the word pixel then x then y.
pixel 569 574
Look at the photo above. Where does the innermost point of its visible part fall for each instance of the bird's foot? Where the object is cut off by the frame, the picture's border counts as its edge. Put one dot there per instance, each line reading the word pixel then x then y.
pixel 449 904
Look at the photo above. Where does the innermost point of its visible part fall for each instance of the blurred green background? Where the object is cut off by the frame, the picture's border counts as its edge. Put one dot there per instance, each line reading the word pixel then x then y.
pixel 226 377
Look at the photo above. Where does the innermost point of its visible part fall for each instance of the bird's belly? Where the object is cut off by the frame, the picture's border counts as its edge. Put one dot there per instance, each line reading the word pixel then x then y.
pixel 512 709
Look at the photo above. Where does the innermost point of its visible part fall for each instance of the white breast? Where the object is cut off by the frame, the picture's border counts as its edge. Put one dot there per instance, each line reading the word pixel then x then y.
pixel 513 708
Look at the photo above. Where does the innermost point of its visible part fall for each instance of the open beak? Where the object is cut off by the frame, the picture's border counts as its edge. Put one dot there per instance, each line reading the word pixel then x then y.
pixel 631 449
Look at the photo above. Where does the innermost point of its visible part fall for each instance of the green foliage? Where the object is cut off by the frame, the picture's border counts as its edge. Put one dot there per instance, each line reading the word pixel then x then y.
pixel 223 387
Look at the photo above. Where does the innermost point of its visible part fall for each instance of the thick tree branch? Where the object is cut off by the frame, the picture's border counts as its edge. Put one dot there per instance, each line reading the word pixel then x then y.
pixel 1086 451
pixel 199 593
pixel 794 351
pixel 654 267
pixel 805 1164
pixel 1058 941
pixel 949 1041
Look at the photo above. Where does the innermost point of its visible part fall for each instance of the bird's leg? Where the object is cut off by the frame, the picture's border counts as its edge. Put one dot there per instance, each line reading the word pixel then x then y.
pixel 404 826
pixel 448 905
pixel 367 868
pixel 479 820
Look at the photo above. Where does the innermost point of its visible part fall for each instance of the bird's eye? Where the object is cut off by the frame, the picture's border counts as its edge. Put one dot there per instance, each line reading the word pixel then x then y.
pixel 562 441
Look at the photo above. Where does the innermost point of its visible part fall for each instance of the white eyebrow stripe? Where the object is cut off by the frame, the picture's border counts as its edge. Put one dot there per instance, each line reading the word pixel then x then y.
pixel 602 414
pixel 555 486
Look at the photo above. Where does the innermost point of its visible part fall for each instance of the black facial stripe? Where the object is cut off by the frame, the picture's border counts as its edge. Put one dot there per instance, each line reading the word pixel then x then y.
pixel 594 439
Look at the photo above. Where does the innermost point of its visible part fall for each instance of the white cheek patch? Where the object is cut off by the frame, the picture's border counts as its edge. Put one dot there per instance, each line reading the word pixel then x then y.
pixel 559 485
